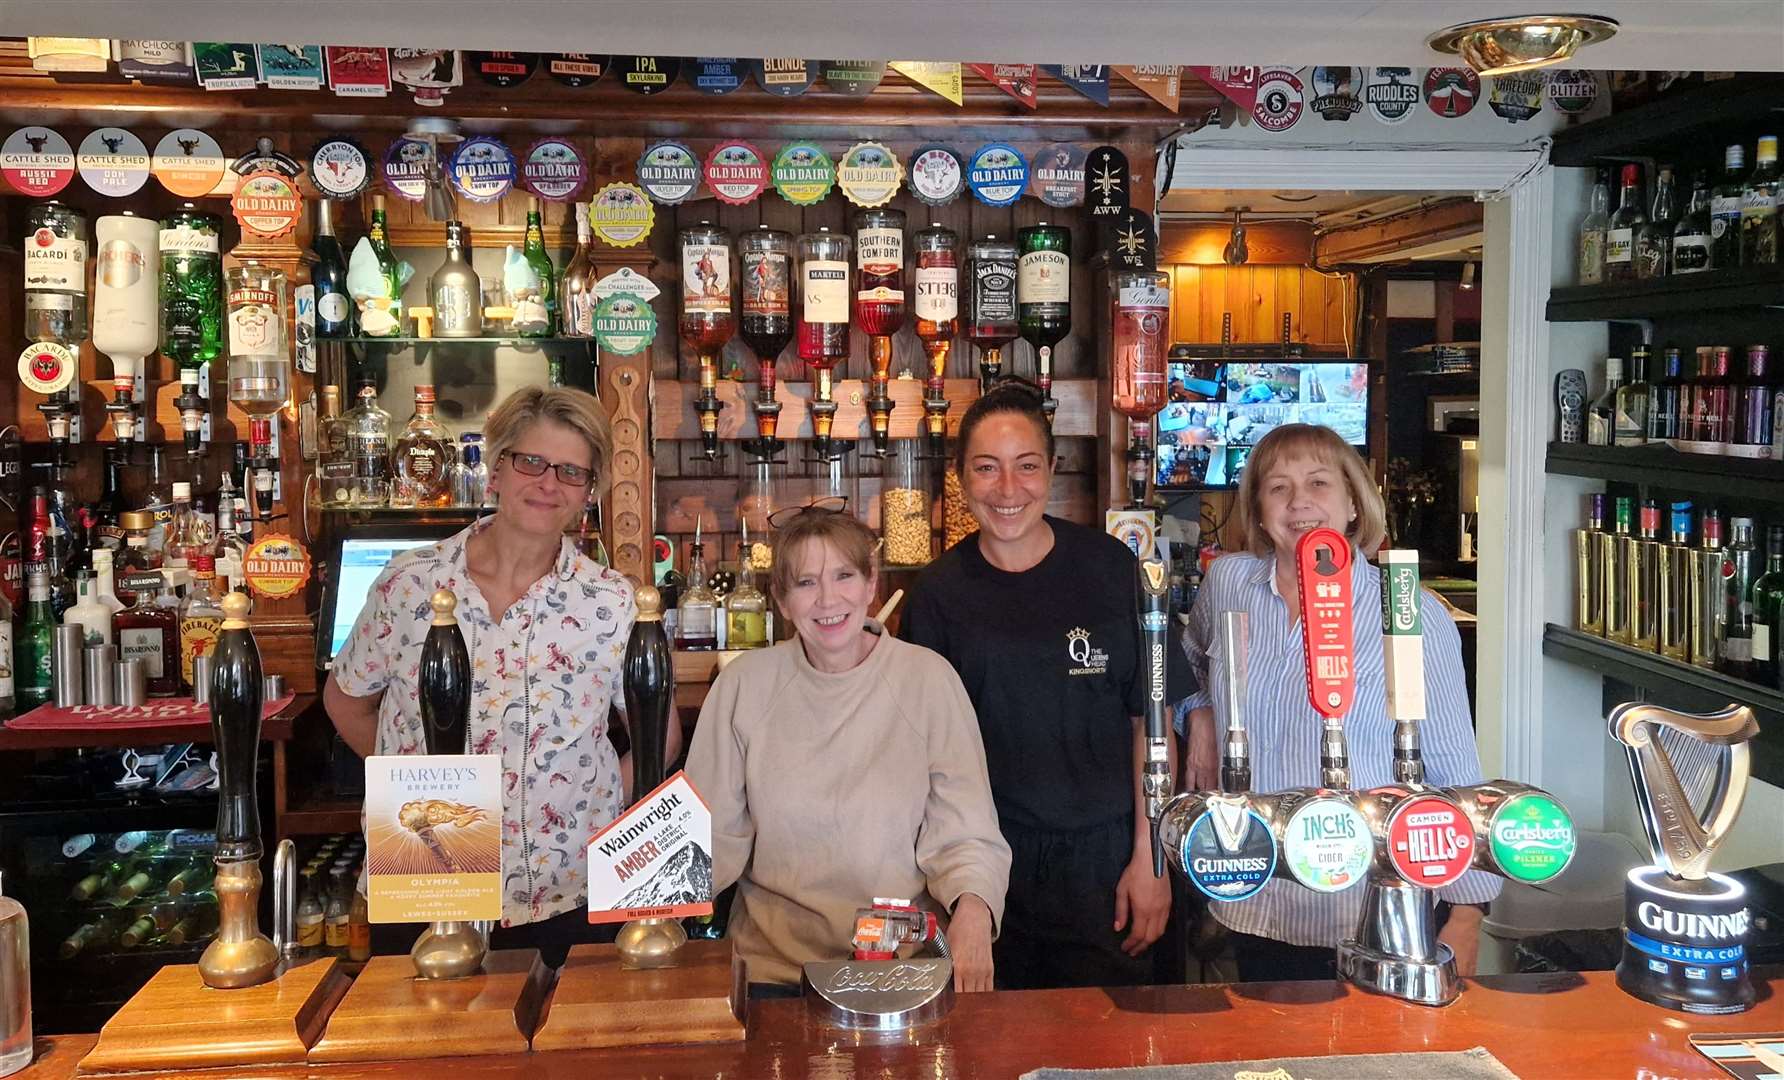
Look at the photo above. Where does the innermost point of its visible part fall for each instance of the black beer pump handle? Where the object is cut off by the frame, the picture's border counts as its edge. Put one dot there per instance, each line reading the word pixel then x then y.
pixel 1155 588
pixel 647 678
pixel 237 694
pixel 445 680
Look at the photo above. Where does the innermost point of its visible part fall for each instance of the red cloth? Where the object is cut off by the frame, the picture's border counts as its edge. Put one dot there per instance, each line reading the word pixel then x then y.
pixel 159 712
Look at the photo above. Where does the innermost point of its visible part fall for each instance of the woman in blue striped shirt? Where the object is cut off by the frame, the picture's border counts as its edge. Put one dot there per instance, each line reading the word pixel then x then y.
pixel 1301 477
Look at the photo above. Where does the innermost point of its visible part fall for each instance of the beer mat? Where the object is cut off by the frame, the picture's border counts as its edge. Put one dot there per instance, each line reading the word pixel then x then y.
pixel 1475 1064
pixel 1756 1056
pixel 162 712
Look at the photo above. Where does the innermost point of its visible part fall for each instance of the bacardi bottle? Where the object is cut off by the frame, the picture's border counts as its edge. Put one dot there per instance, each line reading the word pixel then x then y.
pixel 55 274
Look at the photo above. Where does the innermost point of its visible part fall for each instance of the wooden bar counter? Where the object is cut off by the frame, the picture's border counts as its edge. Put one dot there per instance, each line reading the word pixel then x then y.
pixel 1539 1026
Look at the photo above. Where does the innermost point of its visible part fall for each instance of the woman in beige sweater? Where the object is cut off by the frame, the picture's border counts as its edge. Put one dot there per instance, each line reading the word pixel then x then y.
pixel 841 766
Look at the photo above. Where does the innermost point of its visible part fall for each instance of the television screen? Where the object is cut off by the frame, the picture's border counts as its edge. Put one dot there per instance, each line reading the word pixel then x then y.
pixel 1218 411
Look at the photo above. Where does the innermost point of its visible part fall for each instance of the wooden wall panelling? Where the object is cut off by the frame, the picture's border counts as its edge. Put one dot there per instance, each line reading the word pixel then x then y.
pixel 1258 296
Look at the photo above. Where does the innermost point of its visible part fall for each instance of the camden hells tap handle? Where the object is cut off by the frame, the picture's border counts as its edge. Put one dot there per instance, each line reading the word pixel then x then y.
pixel 647 678
pixel 1323 561
pixel 445 680
pixel 1155 587
pixel 236 699
pixel 1235 760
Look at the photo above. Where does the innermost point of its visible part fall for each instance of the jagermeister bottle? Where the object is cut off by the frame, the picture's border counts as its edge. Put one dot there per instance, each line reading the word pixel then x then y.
pixel 191 287
pixel 1044 295
pixel 540 263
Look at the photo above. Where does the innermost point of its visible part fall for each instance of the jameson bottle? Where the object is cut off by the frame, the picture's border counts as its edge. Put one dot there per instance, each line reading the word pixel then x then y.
pixel 55 273
pixel 1725 210
pixel 456 291
pixel 1619 246
pixel 1044 296
pixel 391 271
pixel 1691 238
pixel 540 263
pixel 990 303
pixel 334 310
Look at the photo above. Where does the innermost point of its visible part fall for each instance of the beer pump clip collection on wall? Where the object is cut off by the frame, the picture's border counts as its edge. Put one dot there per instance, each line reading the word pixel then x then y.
pixel 1406 838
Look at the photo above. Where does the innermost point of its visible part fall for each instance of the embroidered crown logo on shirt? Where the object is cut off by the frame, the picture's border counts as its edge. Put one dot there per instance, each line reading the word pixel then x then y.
pixel 1088 659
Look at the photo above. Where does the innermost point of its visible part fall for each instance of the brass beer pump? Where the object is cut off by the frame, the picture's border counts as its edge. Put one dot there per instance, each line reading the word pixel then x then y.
pixel 648 680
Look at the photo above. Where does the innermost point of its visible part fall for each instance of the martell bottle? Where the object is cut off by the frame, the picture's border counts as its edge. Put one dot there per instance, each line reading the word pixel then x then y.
pixel 149 632
pixel 879 307
pixel 421 460
pixel 707 317
pixel 576 290
pixel 1725 210
pixel 456 290
pixel 765 258
pixel 823 322
pixel 55 273
pixel 991 303
pixel 334 309
pixel 935 300
pixel 1044 297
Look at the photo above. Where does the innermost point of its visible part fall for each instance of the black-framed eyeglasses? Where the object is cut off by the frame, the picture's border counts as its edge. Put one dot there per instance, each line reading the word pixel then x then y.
pixel 533 465
pixel 827 504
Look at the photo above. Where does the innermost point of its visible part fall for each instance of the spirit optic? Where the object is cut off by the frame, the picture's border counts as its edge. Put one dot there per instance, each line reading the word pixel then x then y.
pixel 879 305
pixel 707 316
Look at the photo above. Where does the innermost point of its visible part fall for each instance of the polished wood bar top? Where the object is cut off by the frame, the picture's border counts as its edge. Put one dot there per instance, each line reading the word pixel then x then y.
pixel 1576 1026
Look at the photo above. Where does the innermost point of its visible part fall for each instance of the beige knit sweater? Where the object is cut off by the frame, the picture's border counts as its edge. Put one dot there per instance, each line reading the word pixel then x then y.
pixel 828 790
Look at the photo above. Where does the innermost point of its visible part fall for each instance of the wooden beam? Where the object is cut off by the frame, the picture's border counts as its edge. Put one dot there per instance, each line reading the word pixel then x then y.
pixel 1356 243
pixel 1202 243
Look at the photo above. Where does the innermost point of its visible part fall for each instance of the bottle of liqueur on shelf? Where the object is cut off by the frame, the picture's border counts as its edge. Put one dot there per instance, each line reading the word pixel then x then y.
pixel 1601 415
pixel 375 279
pixel 149 631
pixel 232 551
pixel 765 323
pixel 529 284
pixel 696 626
pixel 1619 625
pixel 1759 207
pixel 1592 231
pixel 823 324
pixel 746 608
pixel 1725 210
pixel 879 307
pixel 1044 297
pixel 368 436
pixel 191 304
pixel 1739 570
pixel 421 460
pixel 576 289
pixel 1619 245
pixel 334 458
pixel 1750 406
pixel 1631 422
pixel 707 317
pixel 1653 241
pixel 334 311
pixel 456 291
pixel 201 617
pixel 935 303
pixel 1589 555
pixel 1768 610
pixel 1665 402
pixel 1691 237
pixel 991 303
pixel 1642 555
pixel 55 273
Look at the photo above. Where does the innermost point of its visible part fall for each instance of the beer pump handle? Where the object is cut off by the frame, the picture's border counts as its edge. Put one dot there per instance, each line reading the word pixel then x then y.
pixel 1155 590
pixel 1323 564
pixel 445 680
pixel 236 698
pixel 1403 659
pixel 1235 760
pixel 647 678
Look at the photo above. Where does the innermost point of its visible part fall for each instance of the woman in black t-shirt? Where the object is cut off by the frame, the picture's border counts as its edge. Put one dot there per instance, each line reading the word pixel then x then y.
pixel 1040 618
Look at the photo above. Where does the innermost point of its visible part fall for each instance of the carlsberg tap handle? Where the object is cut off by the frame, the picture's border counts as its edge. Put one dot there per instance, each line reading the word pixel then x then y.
pixel 1403 657
pixel 445 680
pixel 1155 587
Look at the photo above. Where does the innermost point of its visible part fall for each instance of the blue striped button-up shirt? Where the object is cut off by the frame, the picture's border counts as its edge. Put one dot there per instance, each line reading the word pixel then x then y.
pixel 1285 729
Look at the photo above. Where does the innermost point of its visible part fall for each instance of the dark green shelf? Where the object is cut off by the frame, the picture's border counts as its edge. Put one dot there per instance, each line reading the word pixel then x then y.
pixel 1745 479
pixel 1680 686
pixel 1688 294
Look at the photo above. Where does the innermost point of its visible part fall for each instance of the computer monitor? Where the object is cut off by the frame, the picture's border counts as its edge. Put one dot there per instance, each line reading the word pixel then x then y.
pixel 359 557
pixel 1218 410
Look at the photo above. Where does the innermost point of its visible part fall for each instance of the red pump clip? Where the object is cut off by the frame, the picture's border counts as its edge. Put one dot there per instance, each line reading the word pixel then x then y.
pixel 1323 557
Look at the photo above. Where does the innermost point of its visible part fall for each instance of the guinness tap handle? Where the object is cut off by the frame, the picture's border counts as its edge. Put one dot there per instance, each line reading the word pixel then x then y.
pixel 1155 587
pixel 445 680
pixel 236 699
pixel 1235 760
pixel 648 680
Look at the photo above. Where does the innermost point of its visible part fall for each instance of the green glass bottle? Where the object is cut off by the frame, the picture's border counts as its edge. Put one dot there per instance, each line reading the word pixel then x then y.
pixel 389 267
pixel 1768 611
pixel 33 666
pixel 191 287
pixel 1044 296
pixel 540 262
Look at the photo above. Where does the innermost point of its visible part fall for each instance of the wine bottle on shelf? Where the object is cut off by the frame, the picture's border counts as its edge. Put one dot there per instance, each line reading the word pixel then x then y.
pixel 334 311
pixel 1768 611
pixel 1740 569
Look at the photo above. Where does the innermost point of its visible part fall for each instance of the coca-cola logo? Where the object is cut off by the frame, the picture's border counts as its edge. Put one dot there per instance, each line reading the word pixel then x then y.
pixel 881 978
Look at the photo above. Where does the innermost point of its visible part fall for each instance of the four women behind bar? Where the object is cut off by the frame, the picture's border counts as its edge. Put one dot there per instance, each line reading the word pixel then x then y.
pixel 986 767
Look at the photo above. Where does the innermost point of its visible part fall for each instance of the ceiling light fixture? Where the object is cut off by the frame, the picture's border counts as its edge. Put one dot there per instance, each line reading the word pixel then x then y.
pixel 1235 253
pixel 1467 282
pixel 1523 42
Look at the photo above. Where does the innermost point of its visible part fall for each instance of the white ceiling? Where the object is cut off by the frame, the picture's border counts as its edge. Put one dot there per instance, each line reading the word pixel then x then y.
pixel 1741 35
pixel 1304 205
